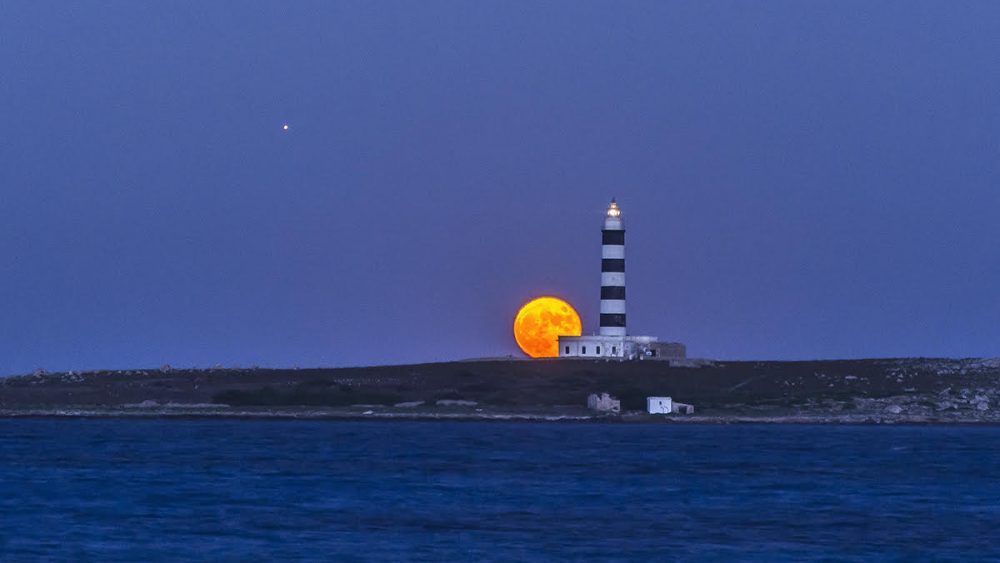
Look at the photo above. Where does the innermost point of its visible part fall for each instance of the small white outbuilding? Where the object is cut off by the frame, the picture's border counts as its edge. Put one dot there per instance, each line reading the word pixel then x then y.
pixel 659 405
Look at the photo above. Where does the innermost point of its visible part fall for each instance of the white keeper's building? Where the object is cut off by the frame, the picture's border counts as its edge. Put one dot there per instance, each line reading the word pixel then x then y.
pixel 613 341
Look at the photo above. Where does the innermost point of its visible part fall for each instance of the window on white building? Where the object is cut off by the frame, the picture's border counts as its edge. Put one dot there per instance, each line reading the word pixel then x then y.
pixel 598 349
pixel 583 349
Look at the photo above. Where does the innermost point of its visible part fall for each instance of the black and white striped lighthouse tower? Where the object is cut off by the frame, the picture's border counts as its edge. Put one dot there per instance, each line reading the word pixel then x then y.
pixel 613 340
pixel 613 273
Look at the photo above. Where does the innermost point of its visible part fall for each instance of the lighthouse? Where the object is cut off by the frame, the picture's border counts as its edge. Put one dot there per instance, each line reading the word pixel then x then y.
pixel 613 273
pixel 612 340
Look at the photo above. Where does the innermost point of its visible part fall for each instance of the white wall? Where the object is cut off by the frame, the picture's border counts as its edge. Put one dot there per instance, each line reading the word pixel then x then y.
pixel 613 251
pixel 591 343
pixel 659 405
pixel 612 306
pixel 612 278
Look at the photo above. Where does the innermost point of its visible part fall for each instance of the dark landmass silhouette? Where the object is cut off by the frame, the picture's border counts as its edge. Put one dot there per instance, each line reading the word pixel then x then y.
pixel 873 390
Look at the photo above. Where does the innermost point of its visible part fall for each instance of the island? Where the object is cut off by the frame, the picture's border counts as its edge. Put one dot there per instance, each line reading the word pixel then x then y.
pixel 901 390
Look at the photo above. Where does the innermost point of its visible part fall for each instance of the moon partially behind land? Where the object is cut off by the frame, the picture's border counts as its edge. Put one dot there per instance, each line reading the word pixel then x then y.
pixel 541 322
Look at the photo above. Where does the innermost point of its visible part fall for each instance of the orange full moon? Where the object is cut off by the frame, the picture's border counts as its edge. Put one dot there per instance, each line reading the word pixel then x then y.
pixel 541 322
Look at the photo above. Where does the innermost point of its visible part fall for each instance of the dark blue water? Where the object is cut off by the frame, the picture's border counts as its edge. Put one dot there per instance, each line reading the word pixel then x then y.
pixel 242 490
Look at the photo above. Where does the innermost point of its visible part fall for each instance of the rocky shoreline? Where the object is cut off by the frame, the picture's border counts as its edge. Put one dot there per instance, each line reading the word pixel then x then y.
pixel 569 414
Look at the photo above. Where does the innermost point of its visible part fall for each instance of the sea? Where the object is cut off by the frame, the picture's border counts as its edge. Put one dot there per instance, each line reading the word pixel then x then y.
pixel 250 490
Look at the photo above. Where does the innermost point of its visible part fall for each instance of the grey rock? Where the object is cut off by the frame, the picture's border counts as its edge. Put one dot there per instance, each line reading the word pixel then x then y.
pixel 945 405
pixel 409 404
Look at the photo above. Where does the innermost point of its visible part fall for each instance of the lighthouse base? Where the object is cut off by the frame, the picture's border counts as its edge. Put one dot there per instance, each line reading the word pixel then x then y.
pixel 620 348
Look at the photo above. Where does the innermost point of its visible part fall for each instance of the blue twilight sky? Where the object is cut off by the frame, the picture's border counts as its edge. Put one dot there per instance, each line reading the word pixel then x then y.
pixel 799 179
